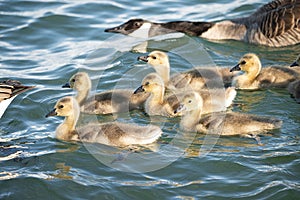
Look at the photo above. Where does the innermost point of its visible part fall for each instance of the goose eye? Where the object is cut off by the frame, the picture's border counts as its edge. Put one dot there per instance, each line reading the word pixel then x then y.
pixel 243 62
pixel 137 24
pixel 61 106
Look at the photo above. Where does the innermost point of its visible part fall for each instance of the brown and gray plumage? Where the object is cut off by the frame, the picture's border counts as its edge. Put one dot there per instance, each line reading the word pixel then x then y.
pixel 111 133
pixel 256 77
pixel 9 89
pixel 108 102
pixel 275 24
pixel 231 123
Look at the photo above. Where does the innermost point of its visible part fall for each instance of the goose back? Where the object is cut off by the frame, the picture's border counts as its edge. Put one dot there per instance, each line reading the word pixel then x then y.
pixel 275 24
pixel 256 77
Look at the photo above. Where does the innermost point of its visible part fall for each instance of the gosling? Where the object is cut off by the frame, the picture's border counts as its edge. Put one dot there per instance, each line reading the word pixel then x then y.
pixel 112 133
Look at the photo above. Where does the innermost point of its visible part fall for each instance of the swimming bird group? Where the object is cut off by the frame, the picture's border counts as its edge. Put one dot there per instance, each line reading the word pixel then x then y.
pixel 200 97
pixel 202 106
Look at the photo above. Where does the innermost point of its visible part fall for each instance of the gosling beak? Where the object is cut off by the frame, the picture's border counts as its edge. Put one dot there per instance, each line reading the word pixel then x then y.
pixel 139 90
pixel 236 68
pixel 143 58
pixel 67 85
pixel 294 64
pixel 52 113
pixel 180 108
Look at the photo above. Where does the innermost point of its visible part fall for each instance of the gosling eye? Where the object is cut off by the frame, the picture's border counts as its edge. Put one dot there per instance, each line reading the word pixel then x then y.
pixel 243 62
pixel 61 106
pixel 154 57
pixel 190 101
pixel 73 80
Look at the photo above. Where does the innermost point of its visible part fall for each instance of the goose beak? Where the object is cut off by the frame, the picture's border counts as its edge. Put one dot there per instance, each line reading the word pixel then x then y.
pixel 67 85
pixel 117 29
pixel 52 113
pixel 236 68
pixel 294 64
pixel 143 58
pixel 139 90
pixel 180 108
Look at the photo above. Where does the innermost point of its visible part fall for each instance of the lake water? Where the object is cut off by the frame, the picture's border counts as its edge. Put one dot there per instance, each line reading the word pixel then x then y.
pixel 43 43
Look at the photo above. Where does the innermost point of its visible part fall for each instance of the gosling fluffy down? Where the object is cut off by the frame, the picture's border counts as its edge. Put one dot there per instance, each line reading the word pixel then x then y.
pixel 108 102
pixel 195 79
pixel 255 77
pixel 111 133
pixel 160 103
pixel 231 123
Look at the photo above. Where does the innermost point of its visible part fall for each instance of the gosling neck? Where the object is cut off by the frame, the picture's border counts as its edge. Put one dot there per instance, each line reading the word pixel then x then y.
pixel 66 130
pixel 190 119
pixel 254 72
pixel 82 96
pixel 163 71
pixel 157 96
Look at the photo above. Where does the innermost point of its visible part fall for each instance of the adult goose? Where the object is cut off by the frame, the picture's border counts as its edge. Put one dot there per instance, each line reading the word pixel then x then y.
pixel 110 133
pixel 108 102
pixel 256 77
pixel 9 90
pixel 275 24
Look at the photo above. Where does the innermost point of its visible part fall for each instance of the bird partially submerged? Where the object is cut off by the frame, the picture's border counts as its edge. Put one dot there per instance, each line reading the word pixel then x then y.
pixel 275 24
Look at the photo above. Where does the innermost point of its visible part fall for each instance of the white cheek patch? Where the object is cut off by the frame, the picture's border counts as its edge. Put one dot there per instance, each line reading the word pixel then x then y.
pixel 4 104
pixel 142 32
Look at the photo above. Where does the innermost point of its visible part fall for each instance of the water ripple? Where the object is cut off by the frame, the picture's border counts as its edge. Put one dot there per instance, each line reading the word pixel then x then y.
pixel 43 43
